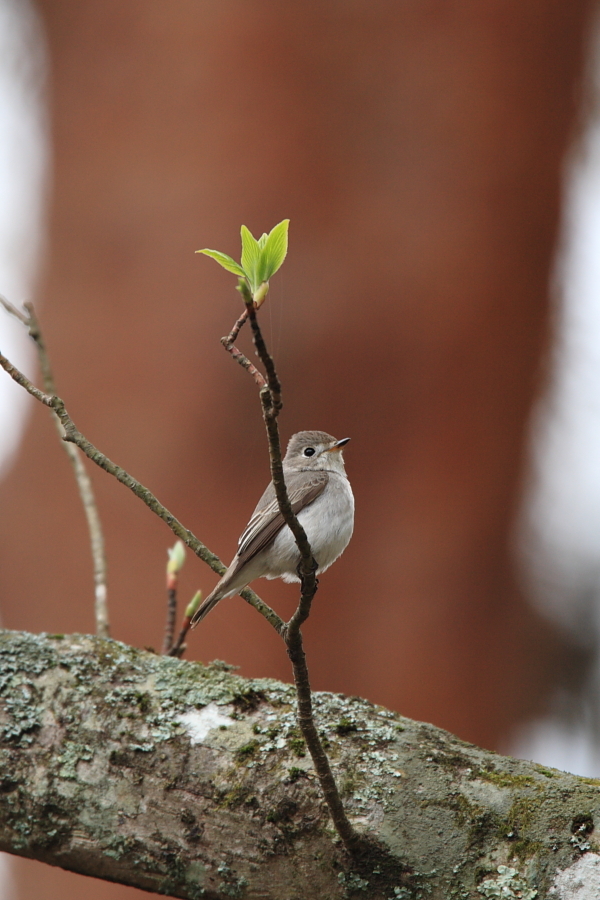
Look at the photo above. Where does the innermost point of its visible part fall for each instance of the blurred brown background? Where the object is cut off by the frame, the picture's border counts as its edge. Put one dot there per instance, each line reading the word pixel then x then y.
pixel 417 149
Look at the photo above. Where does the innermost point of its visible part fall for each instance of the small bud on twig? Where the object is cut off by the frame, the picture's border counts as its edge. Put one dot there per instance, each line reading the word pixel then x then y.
pixel 260 294
pixel 193 605
pixel 178 647
pixel 175 564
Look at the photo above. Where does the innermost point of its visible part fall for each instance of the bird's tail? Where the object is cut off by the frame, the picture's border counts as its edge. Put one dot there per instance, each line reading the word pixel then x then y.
pixel 210 603
pixel 232 581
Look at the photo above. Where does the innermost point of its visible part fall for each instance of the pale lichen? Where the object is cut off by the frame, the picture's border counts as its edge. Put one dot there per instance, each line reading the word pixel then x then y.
pixel 506 885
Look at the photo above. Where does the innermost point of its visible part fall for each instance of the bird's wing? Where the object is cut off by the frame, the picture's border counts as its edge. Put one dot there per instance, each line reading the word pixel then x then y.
pixel 303 488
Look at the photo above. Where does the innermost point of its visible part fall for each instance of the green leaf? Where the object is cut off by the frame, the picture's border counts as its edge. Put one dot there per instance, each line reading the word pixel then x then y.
pixel 250 256
pixel 274 251
pixel 226 261
pixel 262 240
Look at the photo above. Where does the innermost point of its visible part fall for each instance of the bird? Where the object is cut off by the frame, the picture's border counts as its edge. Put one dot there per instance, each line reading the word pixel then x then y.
pixel 322 499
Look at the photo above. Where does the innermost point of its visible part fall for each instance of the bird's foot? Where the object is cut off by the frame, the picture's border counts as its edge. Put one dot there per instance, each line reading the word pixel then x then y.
pixel 314 565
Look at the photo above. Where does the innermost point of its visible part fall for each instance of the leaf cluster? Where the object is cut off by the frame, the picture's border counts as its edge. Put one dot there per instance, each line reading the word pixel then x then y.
pixel 260 258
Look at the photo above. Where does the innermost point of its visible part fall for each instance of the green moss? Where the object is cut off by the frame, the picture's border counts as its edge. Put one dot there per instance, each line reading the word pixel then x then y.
pixel 296 742
pixel 348 785
pixel 247 751
pixel 283 811
pixel 479 822
pixel 144 702
pixel 505 779
pixel 482 823
pixel 464 810
pixel 248 699
pixel 298 746
pixel 237 796
pixel 524 849
pixel 522 813
pixel 452 760
pixel 345 726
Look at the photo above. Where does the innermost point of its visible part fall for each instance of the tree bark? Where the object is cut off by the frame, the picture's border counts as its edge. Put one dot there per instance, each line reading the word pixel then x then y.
pixel 190 781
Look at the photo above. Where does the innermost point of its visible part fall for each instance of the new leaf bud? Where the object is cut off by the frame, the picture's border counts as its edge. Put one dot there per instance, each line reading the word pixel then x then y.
pixel 260 294
pixel 193 605
pixel 176 558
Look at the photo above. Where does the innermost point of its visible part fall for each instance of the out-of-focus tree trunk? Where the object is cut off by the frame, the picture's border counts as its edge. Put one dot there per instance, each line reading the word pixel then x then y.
pixel 418 150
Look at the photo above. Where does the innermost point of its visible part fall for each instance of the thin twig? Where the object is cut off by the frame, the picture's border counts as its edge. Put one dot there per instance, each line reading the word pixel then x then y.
pixel 270 397
pixel 261 347
pixel 189 539
pixel 244 362
pixel 239 357
pixel 170 623
pixel 83 481
pixel 179 646
pixel 13 311
pixel 236 328
pixel 84 486
pixel 176 556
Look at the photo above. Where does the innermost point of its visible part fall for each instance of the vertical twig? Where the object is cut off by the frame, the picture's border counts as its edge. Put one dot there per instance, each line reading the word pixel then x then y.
pixel 271 401
pixel 84 484
pixel 170 623
pixel 175 564
pixel 178 647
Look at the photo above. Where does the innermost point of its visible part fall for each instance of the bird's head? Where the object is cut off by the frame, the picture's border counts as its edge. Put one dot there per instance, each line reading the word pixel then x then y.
pixel 315 450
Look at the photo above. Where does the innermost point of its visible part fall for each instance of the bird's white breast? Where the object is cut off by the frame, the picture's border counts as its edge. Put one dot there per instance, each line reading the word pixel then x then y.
pixel 328 522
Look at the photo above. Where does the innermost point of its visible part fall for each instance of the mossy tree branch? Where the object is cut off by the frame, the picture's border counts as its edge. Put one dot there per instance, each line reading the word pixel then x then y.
pixel 190 781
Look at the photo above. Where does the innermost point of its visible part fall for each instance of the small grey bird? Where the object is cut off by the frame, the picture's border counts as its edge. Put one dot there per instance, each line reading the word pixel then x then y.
pixel 321 497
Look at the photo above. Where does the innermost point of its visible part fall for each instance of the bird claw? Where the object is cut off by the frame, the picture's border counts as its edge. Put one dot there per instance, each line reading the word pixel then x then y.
pixel 314 565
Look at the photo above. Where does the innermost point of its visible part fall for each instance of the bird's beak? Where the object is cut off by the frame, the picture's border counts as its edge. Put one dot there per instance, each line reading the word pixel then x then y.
pixel 338 445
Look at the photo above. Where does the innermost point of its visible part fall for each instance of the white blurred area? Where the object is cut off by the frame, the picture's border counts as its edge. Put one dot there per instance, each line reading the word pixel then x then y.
pixel 23 186
pixel 561 532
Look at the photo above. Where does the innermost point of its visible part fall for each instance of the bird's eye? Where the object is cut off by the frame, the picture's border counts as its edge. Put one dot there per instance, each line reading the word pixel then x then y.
pixel 309 451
